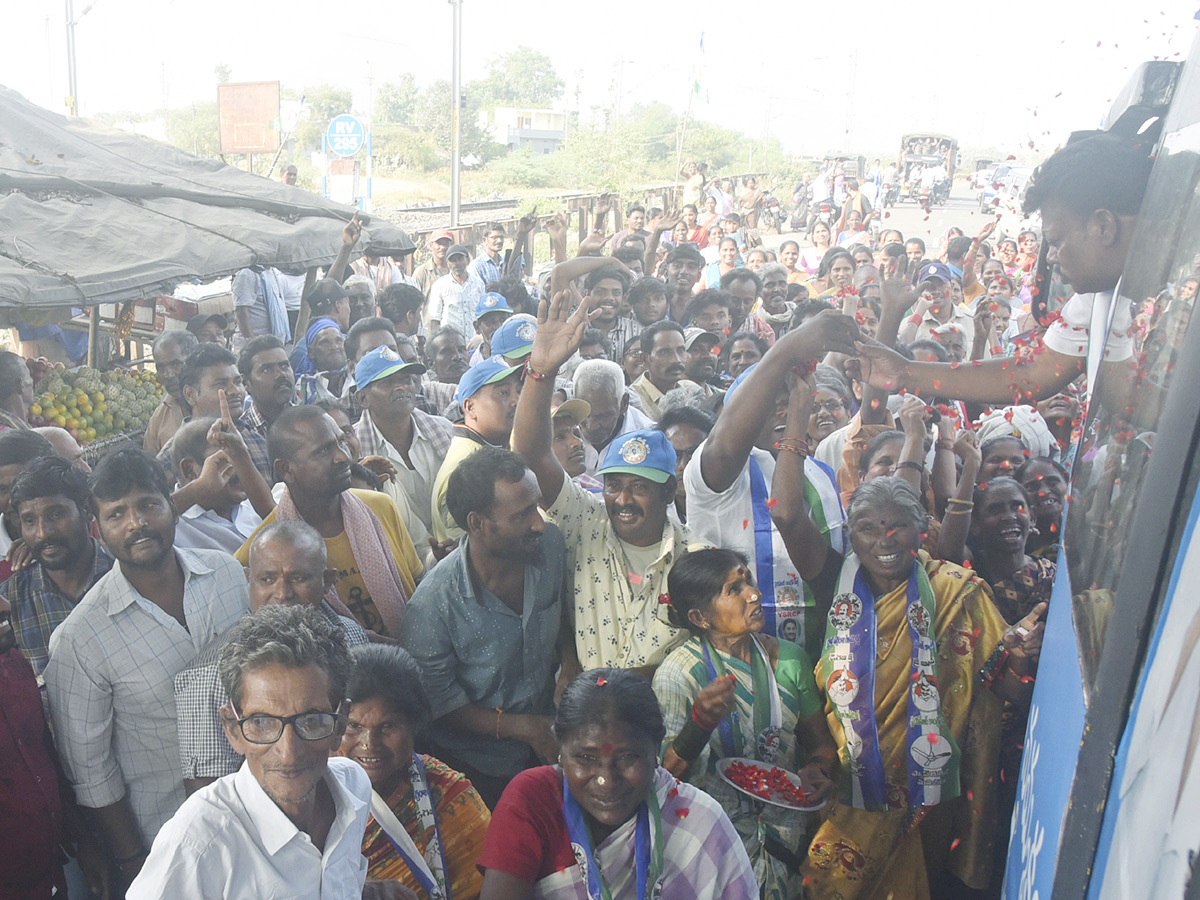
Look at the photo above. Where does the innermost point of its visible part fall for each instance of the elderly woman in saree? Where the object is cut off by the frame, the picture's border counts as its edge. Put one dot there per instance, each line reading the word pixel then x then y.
pixel 915 663
pixel 732 691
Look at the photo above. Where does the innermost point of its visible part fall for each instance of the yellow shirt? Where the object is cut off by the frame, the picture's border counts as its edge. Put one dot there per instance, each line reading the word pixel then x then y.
pixel 651 395
pixel 350 587
pixel 444 526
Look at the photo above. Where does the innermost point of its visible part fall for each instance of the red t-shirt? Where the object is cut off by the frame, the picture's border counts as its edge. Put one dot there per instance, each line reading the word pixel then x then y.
pixel 527 837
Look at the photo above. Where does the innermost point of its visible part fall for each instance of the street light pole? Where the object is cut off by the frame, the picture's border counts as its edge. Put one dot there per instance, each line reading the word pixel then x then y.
pixel 456 112
pixel 72 85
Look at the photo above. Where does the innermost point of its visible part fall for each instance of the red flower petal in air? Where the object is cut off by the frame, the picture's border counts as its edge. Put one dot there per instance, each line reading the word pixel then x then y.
pixel 601 681
pixel 682 813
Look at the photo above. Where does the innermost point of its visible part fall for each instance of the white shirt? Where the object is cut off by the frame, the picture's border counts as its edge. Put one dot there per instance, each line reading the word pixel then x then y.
pixel 202 529
pixel 453 305
pixel 111 683
pixel 1071 333
pixel 291 286
pixel 726 519
pixel 635 420
pixel 230 841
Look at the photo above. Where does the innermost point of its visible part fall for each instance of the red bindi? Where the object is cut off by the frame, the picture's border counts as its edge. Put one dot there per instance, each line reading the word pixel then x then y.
pixel 607 748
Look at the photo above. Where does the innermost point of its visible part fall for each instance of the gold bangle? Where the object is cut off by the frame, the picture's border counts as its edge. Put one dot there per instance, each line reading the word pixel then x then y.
pixel 499 713
pixel 958 512
pixel 955 501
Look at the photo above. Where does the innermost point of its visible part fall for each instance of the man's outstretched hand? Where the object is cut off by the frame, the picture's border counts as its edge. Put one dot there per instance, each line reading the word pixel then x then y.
pixel 559 332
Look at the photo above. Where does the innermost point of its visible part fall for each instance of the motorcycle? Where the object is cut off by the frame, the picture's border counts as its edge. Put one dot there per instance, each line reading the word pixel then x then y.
pixel 825 212
pixel 891 193
pixel 941 192
pixel 770 213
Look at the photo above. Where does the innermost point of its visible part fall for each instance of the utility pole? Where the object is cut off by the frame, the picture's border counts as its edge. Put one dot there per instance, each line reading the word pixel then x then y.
pixel 72 85
pixel 456 113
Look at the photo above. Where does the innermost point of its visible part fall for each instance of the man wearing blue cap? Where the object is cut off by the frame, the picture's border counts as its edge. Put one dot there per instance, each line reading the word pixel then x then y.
pixel 621 544
pixel 728 481
pixel 490 313
pixel 514 339
pixel 488 395
pixel 935 307
pixel 392 426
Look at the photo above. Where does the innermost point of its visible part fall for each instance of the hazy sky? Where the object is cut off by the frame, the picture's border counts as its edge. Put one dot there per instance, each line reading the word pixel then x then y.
pixel 1001 75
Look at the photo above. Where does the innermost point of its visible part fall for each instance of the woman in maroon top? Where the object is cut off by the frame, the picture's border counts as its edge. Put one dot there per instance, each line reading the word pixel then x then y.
pixel 608 821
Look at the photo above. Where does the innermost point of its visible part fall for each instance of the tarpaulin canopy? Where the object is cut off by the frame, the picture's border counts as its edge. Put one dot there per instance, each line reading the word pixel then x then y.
pixel 90 214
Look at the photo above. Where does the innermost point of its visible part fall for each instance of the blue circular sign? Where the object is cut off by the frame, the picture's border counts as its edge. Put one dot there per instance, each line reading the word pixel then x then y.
pixel 345 135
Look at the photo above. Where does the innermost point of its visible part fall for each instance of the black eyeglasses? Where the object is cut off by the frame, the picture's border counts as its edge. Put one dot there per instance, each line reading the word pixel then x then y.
pixel 261 728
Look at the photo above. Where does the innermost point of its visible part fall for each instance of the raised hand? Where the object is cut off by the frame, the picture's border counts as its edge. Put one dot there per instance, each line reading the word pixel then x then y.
pixel 559 332
pixel 352 232
pixel 913 412
pixel 594 243
pixel 556 226
pixel 527 222
pixel 896 293
pixel 966 446
pixel 223 434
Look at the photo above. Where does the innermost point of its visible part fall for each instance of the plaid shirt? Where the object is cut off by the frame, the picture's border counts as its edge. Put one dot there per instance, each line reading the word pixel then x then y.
pixel 204 751
pixel 309 389
pixel 110 682
pixel 38 606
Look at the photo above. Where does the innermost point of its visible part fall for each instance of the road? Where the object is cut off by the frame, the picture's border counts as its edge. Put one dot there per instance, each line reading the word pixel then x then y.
pixel 961 210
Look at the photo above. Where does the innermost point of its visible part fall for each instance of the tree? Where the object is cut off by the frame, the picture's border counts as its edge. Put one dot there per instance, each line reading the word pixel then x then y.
pixel 322 102
pixel 222 72
pixel 434 115
pixel 396 102
pixel 194 128
pixel 521 77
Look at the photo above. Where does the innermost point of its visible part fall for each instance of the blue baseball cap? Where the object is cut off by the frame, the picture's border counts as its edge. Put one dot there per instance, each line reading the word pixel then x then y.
pixel 646 453
pixel 938 270
pixel 491 302
pixel 514 339
pixel 380 363
pixel 491 370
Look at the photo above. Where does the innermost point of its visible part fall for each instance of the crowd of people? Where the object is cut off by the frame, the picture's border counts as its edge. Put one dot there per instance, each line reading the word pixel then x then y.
pixel 464 582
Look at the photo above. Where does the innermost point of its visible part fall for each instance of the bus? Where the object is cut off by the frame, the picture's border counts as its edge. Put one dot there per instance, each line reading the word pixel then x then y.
pixel 922 149
pixel 1110 780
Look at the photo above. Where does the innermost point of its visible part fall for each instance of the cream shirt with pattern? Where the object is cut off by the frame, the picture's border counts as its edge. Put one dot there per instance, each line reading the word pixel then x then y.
pixel 616 622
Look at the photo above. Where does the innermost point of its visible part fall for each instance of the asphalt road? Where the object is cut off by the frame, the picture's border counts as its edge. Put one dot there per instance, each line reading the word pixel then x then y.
pixel 961 210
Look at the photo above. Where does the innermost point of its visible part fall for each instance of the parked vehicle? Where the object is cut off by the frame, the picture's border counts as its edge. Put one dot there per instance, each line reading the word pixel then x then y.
pixel 770 215
pixel 987 191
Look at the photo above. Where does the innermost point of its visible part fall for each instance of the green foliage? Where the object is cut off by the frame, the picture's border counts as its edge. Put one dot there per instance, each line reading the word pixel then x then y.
pixel 434 115
pixel 194 128
pixel 222 72
pixel 522 168
pixel 521 77
pixel 397 147
pixel 396 101
pixel 322 102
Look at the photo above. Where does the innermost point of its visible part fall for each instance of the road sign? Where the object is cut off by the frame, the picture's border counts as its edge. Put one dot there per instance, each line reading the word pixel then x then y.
pixel 346 135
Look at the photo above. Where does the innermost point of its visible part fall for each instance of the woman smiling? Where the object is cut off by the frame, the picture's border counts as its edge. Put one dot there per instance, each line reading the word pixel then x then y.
pixel 608 822
pixel 909 643
pixel 427 821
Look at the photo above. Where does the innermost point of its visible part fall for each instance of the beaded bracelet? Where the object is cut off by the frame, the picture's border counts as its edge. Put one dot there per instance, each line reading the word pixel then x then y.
pixel 537 376
pixel 793 445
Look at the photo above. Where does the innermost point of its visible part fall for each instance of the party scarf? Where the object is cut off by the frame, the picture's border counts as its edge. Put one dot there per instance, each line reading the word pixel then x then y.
pixel 431 870
pixel 848 665
pixel 647 847
pixel 768 710
pixel 372 554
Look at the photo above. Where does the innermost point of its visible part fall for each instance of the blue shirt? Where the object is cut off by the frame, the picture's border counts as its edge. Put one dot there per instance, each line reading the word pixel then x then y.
pixel 474 649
